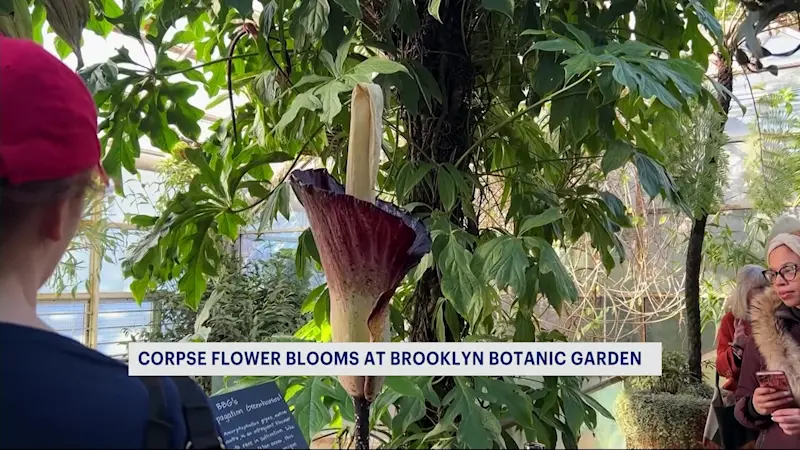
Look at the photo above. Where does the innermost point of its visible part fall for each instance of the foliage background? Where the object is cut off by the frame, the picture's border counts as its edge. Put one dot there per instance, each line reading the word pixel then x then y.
pixel 503 121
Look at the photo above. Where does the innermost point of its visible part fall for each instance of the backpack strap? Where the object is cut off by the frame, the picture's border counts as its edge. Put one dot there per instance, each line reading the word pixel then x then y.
pixel 158 434
pixel 200 423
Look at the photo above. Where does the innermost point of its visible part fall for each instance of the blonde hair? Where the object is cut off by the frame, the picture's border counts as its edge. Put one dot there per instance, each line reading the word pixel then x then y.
pixel 748 278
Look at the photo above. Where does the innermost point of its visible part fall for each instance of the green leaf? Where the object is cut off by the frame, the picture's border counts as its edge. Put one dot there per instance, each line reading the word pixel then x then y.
pixel 447 189
pixel 642 82
pixel 67 26
pixel 193 281
pixel 580 63
pixel 211 179
pixel 505 7
pixel 558 45
pixel 312 79
pixel 707 19
pixel 309 409
pixel 549 216
pixel 459 283
pixel 597 406
pixel 229 223
pixel 426 82
pixel 580 35
pixel 411 410
pixel 618 153
pixel 616 207
pixel 129 20
pixel 433 9
pixel 379 65
pixel 549 262
pixel 38 18
pixel 508 394
pixel 404 386
pixel 306 100
pixel 408 20
pixel 245 7
pixel 278 202
pixel 143 220
pixel 656 181
pixel 310 21
pixel 477 427
pixel 265 87
pixel 351 7
pixel 573 410
pixel 504 260
pixel 631 48
pixel 329 96
pixel 410 176
pixel 306 248
pixel 100 77
pixel 22 19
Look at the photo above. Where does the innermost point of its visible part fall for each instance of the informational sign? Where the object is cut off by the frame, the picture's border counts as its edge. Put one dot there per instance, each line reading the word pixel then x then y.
pixel 257 417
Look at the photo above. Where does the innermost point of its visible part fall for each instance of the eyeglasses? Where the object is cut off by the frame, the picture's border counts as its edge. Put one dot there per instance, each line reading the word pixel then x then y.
pixel 787 272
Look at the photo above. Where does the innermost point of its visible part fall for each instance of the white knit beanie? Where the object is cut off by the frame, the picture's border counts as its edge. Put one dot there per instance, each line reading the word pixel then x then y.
pixel 790 240
pixel 784 225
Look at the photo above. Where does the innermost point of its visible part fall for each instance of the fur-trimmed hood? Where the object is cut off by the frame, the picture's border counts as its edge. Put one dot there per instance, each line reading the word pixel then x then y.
pixel 771 321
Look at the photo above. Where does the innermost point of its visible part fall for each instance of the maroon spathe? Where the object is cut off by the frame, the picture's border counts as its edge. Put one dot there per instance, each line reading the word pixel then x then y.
pixel 365 249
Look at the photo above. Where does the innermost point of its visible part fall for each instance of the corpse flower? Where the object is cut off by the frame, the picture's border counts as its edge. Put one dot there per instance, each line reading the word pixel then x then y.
pixel 366 246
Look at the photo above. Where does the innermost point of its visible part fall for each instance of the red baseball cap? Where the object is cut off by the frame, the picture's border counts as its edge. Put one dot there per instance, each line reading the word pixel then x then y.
pixel 48 119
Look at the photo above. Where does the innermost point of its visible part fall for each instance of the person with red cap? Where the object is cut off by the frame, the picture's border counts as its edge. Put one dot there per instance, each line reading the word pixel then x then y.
pixel 55 392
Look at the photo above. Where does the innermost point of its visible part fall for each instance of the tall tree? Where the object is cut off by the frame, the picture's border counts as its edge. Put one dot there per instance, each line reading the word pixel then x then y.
pixel 742 21
pixel 698 161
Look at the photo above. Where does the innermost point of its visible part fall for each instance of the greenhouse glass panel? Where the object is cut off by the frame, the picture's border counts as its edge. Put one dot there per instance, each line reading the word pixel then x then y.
pixel 118 320
pixel 141 193
pixel 67 318
pixel 71 273
pixel 111 275
pixel 262 247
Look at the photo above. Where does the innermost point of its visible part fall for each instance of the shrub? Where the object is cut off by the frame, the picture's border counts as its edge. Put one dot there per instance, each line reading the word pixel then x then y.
pixel 658 420
pixel 675 378
pixel 669 411
pixel 260 299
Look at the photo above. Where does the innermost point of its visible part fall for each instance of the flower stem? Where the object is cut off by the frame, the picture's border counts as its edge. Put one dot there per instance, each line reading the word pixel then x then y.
pixel 362 422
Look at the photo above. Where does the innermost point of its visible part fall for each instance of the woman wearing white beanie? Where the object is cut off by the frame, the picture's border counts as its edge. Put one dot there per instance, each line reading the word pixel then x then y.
pixel 774 346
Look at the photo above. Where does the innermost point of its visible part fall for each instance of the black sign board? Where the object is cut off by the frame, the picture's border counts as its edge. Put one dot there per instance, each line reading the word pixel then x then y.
pixel 257 417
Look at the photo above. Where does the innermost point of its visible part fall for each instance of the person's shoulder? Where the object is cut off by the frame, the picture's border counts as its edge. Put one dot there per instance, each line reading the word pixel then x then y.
pixel 181 394
pixel 728 319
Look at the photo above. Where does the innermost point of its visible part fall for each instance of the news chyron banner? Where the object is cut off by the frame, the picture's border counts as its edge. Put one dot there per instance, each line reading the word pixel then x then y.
pixel 395 359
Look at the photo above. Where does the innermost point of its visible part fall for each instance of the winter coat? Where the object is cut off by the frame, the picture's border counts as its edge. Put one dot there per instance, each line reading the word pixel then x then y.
pixel 772 346
pixel 728 364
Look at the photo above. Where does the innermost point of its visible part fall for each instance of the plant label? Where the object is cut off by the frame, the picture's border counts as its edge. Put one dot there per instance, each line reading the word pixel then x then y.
pixel 257 417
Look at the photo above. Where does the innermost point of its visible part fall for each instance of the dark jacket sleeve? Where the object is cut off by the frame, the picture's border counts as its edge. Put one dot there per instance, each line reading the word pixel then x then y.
pixel 727 362
pixel 744 411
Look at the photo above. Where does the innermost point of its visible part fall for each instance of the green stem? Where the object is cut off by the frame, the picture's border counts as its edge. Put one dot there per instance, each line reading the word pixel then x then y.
pixel 517 115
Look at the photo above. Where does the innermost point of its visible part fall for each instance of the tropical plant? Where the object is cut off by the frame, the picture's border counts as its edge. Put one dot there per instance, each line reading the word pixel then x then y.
pixel 699 163
pixel 772 167
pixel 251 303
pixel 500 117
pixel 258 300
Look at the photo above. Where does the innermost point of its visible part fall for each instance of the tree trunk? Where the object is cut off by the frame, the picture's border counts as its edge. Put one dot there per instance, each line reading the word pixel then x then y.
pixel 694 252
pixel 444 134
pixel 694 263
